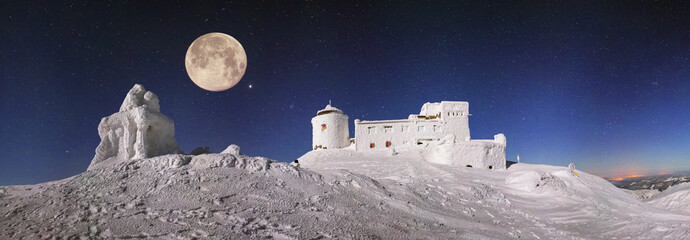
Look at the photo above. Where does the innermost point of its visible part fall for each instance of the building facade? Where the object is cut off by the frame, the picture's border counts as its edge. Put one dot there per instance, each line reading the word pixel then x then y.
pixel 440 132
pixel 330 129
pixel 435 121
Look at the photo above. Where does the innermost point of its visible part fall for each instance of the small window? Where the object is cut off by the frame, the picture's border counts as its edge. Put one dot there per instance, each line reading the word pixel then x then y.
pixel 387 129
pixel 371 129
pixel 406 128
pixel 388 143
pixel 468 165
pixel 437 128
pixel 491 167
pixel 420 129
pixel 372 145
pixel 404 142
pixel 323 127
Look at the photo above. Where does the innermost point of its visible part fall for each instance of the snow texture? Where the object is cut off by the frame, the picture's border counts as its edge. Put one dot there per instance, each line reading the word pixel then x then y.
pixel 137 131
pixel 484 154
pixel 232 149
pixel 341 193
pixel 674 198
pixel 642 193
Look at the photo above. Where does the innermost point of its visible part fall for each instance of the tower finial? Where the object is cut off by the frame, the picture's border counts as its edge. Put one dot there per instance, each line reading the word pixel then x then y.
pixel 329 102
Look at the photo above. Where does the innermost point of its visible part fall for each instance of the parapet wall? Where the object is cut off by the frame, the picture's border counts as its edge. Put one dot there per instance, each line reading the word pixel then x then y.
pixel 484 154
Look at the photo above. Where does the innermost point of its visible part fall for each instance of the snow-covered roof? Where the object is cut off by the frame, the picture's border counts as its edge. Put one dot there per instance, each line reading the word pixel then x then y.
pixel 392 121
pixel 328 109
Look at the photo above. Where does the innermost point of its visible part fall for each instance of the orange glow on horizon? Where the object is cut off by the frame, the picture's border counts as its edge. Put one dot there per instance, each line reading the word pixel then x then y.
pixel 628 176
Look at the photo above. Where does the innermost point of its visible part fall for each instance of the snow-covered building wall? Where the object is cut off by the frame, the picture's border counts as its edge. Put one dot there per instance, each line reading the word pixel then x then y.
pixel 330 129
pixel 441 131
pixel 484 154
pixel 435 121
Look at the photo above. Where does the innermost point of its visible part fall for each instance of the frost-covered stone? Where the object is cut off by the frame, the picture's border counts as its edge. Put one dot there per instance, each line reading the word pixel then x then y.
pixel 500 138
pixel 137 97
pixel 137 131
pixel 232 149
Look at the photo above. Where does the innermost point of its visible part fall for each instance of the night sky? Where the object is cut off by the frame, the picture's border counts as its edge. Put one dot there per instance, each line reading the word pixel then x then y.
pixel 602 84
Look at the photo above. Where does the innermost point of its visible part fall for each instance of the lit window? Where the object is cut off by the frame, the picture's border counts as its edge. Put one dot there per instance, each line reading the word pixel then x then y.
pixel 323 127
pixel 372 145
pixel 388 143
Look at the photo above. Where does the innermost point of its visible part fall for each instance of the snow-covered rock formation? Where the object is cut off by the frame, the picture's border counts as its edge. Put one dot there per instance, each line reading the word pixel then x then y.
pixel 232 149
pixel 137 131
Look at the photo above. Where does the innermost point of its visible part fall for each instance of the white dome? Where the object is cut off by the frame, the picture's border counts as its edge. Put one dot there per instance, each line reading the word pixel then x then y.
pixel 328 109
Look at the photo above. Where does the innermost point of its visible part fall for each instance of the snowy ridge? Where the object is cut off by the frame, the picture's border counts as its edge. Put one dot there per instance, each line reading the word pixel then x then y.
pixel 530 201
pixel 674 198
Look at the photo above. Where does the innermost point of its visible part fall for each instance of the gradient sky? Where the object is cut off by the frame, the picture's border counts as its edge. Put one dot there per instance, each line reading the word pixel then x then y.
pixel 602 84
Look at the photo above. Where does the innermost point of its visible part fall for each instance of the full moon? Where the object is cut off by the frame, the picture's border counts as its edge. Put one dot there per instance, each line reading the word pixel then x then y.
pixel 215 61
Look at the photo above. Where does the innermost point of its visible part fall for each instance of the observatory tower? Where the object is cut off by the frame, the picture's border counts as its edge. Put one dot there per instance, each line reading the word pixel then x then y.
pixel 330 129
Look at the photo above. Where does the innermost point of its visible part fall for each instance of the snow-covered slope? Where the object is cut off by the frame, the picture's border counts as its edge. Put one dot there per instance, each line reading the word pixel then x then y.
pixel 674 198
pixel 212 196
pixel 526 201
pixel 335 194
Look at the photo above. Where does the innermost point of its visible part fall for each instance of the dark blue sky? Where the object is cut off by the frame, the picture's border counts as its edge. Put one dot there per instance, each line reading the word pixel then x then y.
pixel 603 84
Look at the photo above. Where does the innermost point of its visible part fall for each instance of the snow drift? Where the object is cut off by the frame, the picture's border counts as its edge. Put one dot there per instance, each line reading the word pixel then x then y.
pixel 675 198
pixel 337 194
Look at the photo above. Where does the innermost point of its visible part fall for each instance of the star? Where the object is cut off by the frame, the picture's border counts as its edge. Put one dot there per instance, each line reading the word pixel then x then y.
pixel 250 86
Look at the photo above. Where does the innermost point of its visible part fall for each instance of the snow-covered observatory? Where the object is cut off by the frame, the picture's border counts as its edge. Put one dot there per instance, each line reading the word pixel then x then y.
pixel 330 129
pixel 440 132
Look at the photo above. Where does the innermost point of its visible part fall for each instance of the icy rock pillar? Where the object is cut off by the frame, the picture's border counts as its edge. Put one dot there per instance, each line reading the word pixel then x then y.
pixel 137 131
